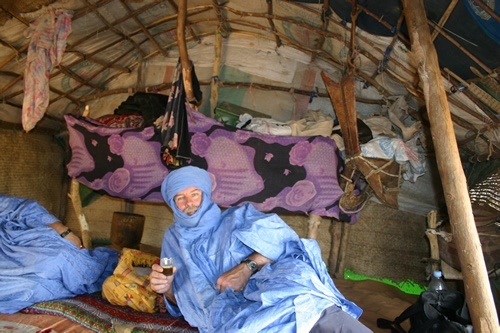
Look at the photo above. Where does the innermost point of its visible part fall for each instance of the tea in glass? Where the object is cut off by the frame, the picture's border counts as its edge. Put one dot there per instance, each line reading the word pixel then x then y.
pixel 168 266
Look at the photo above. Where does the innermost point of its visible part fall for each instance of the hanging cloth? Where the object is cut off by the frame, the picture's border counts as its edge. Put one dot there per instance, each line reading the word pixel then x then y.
pixel 176 148
pixel 48 41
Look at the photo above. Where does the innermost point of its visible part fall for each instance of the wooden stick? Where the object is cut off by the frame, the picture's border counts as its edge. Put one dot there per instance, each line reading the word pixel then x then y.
pixel 445 17
pixel 95 10
pixel 461 48
pixel 214 94
pixel 181 41
pixel 433 239
pixel 481 96
pixel 336 232
pixel 487 9
pixel 271 23
pixel 313 226
pixel 339 271
pixel 143 28
pixel 77 206
pixel 477 288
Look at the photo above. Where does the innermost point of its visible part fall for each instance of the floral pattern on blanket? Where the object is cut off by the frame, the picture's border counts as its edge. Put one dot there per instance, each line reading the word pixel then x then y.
pixel 275 173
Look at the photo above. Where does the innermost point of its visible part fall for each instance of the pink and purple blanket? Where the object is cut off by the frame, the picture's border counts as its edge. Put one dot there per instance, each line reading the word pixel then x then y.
pixel 275 173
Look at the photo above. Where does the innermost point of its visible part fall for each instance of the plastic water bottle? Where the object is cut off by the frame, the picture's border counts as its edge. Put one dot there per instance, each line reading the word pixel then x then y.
pixel 437 282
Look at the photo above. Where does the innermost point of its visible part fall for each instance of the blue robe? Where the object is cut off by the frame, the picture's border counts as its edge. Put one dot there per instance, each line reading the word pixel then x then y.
pixel 36 264
pixel 285 296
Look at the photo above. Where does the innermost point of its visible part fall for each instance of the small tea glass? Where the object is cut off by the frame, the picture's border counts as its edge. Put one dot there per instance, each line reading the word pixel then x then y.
pixel 168 266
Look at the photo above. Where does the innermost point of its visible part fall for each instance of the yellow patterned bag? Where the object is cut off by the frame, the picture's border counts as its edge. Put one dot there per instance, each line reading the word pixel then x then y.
pixel 129 284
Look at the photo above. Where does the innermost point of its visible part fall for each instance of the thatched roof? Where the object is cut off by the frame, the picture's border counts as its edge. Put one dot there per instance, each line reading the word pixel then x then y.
pixel 113 42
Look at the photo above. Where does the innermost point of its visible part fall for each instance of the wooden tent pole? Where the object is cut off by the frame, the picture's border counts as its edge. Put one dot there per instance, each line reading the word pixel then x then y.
pixel 477 288
pixel 214 95
pixel 433 239
pixel 313 226
pixel 74 195
pixel 183 53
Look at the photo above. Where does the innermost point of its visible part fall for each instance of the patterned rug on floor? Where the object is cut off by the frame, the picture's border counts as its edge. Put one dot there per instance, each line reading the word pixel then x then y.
pixel 95 313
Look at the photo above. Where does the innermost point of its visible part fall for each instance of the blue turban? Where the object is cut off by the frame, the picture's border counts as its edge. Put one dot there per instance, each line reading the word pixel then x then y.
pixel 181 179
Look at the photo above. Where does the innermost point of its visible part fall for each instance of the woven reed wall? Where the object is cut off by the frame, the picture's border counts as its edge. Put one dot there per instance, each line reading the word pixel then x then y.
pixel 32 166
pixel 388 243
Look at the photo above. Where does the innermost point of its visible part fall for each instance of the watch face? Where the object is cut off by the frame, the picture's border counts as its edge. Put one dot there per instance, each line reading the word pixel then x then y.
pixel 252 265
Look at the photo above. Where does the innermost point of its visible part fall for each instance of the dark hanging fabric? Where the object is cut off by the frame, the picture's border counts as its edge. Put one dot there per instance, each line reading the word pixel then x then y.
pixel 176 149
pixel 149 105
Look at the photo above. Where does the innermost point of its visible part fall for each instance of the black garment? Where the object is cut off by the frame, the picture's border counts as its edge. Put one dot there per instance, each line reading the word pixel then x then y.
pixel 149 105
pixel 176 148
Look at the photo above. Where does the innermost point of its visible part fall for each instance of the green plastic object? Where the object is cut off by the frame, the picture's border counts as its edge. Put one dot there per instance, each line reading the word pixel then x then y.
pixel 408 286
pixel 229 114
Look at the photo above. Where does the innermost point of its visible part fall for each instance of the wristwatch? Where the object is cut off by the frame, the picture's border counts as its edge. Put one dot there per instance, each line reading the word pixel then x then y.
pixel 252 265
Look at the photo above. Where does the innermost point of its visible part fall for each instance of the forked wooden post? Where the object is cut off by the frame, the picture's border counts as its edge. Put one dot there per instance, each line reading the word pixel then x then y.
pixel 77 206
pixel 336 233
pixel 433 239
pixel 344 240
pixel 313 226
pixel 338 248
pixel 477 288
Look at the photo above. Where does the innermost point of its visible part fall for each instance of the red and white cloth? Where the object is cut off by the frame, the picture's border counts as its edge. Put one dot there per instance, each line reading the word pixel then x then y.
pixel 48 41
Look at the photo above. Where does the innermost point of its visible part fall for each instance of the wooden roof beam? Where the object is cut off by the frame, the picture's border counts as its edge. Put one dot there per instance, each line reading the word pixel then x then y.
pixel 381 20
pixel 93 76
pixel 487 9
pixel 460 47
pixel 222 31
pixel 325 14
pixel 78 78
pixel 271 22
pixel 16 15
pixel 142 27
pixel 388 51
pixel 90 57
pixel 223 28
pixel 444 17
pixel 111 27
pixel 311 28
pixel 16 51
pixel 91 35
pixel 16 79
pixel 355 11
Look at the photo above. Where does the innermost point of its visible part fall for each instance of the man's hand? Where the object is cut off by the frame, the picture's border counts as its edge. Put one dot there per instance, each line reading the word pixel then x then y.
pixel 75 240
pixel 236 278
pixel 161 283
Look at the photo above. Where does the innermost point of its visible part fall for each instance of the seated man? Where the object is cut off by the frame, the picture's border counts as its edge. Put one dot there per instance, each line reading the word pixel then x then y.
pixel 243 270
pixel 42 260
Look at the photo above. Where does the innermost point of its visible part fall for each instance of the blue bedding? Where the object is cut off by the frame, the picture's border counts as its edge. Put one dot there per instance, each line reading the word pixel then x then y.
pixel 36 264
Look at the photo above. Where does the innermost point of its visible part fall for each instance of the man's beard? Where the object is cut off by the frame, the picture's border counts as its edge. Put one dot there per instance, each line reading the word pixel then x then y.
pixel 190 210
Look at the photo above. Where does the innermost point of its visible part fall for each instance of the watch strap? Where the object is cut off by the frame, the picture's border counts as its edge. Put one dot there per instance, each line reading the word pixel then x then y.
pixel 66 233
pixel 251 265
